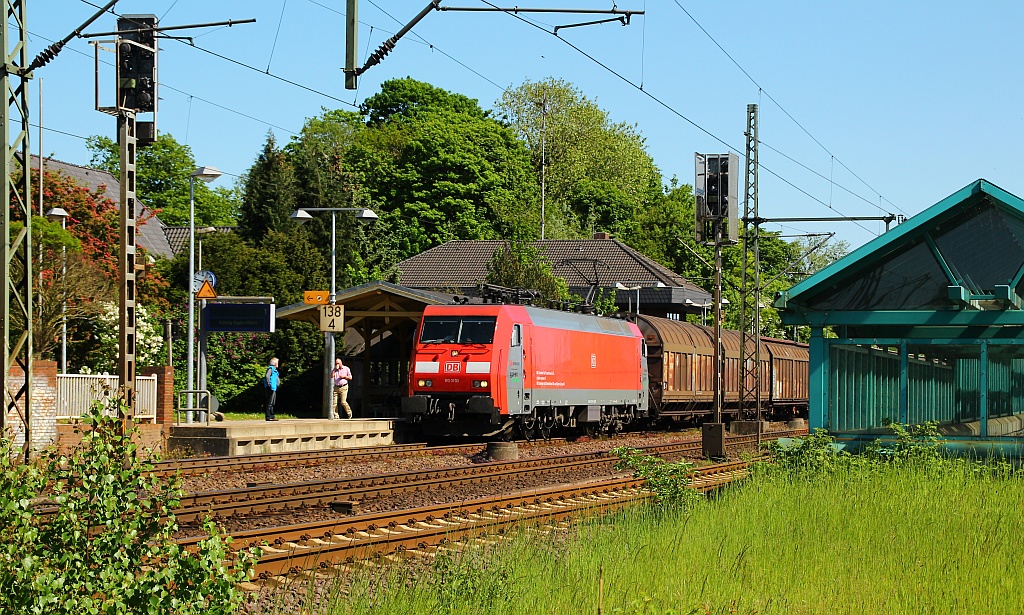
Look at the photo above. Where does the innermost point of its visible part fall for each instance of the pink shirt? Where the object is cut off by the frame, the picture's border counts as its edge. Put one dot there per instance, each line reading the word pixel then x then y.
pixel 341 376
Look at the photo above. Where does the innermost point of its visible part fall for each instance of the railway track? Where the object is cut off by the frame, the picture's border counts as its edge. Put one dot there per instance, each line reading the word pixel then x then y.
pixel 202 465
pixel 258 499
pixel 311 546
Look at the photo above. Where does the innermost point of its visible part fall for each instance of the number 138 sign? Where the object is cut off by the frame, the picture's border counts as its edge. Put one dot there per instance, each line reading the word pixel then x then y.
pixel 332 318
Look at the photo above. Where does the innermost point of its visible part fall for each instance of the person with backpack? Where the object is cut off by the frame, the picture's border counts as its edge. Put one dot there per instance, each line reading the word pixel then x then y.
pixel 270 381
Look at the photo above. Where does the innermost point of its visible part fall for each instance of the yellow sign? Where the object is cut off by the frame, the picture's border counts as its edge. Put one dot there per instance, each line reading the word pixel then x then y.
pixel 332 318
pixel 316 297
pixel 206 291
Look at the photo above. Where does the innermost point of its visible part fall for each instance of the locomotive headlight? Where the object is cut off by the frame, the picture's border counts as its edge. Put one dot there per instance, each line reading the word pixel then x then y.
pixel 424 383
pixel 480 384
pixel 430 383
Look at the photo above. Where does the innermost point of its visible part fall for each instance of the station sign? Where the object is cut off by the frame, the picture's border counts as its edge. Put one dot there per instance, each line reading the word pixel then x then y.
pixel 316 297
pixel 332 318
pixel 240 317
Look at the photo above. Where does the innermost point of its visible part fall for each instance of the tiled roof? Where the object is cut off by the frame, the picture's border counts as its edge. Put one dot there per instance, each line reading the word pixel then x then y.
pixel 462 264
pixel 150 232
pixel 177 236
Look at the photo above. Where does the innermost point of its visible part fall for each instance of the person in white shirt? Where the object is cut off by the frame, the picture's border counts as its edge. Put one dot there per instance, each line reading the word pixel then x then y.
pixel 341 375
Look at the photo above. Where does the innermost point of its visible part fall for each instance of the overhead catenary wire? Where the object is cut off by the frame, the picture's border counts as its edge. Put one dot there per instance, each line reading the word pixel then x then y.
pixel 248 66
pixel 673 110
pixel 788 114
pixel 180 91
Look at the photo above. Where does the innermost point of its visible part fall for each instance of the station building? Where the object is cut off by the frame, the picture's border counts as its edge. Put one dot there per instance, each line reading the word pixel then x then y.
pixel 381 317
pixel 924 323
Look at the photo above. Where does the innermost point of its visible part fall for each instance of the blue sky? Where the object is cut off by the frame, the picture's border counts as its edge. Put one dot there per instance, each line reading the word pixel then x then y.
pixel 896 104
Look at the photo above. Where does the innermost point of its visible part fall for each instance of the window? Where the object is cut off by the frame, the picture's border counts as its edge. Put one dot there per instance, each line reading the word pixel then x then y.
pixel 458 330
pixel 517 336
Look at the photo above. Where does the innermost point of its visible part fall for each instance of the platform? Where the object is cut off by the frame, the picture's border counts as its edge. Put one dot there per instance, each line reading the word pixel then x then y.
pixel 285 435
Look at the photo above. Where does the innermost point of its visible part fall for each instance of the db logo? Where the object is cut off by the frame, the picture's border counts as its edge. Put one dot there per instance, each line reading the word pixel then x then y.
pixel 451 367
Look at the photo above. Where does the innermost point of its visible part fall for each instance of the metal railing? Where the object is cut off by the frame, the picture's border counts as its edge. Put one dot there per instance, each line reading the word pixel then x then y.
pixel 77 392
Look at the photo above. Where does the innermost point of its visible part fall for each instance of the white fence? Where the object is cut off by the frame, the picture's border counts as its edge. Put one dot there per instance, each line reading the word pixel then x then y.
pixel 76 393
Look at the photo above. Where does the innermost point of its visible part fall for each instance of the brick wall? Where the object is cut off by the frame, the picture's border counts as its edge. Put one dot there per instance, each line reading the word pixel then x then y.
pixel 164 392
pixel 151 436
pixel 43 405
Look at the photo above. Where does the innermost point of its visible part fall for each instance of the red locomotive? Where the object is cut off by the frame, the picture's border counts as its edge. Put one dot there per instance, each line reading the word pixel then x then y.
pixel 484 369
pixel 480 369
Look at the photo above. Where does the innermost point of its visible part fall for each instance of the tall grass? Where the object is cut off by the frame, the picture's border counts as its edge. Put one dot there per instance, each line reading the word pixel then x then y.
pixel 861 538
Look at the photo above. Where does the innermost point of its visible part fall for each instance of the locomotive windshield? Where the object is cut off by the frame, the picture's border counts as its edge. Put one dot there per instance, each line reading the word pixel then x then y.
pixel 458 329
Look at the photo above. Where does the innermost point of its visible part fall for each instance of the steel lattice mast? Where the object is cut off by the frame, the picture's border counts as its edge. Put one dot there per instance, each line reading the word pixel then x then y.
pixel 750 303
pixel 16 306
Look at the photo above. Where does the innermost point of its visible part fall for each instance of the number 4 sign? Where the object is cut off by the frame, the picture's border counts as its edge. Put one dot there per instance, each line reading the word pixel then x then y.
pixel 332 318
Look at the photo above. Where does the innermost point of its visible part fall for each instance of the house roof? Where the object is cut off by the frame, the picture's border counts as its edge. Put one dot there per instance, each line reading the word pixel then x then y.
pixel 959 262
pixel 177 236
pixel 461 264
pixel 150 232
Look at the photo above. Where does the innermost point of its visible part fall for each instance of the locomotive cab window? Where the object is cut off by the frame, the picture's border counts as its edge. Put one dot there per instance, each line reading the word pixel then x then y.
pixel 458 330
pixel 517 336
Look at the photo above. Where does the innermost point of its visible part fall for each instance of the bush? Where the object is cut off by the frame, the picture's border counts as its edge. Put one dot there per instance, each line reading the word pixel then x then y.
pixel 107 545
pixel 670 480
pixel 814 454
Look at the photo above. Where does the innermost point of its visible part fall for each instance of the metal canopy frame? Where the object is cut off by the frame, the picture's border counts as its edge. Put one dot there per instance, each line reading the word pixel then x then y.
pixel 988 319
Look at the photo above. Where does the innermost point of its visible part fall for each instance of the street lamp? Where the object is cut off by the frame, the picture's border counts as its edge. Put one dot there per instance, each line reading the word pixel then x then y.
pixel 301 216
pixel 207 175
pixel 59 213
pixel 621 286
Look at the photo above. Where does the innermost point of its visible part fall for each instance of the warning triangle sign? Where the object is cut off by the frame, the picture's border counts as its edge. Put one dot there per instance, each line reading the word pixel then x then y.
pixel 206 291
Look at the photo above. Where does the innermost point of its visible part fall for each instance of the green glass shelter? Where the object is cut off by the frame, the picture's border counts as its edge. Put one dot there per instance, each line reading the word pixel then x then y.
pixel 923 323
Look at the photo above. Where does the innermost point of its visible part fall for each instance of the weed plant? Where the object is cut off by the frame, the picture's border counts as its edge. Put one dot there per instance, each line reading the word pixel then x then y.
pixel 899 530
pixel 107 547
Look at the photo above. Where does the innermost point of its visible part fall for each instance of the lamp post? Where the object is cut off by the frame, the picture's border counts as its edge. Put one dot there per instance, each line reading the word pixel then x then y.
pixel 59 213
pixel 621 286
pixel 301 216
pixel 207 175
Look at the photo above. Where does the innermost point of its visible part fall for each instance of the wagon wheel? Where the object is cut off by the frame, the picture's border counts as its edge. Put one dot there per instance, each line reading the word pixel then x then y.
pixel 545 426
pixel 528 427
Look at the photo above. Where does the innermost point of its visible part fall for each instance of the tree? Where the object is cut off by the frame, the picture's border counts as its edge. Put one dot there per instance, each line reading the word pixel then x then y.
pixel 439 168
pixel 599 174
pixel 162 181
pixel 518 264
pixel 269 194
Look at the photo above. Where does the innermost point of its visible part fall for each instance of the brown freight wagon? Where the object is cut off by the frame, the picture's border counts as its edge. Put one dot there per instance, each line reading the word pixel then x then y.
pixel 680 361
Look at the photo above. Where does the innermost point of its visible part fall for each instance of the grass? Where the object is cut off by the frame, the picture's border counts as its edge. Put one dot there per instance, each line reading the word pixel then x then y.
pixel 254 416
pixel 865 538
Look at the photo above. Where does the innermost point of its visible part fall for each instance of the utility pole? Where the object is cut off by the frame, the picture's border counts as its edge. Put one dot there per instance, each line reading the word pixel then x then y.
pixel 750 302
pixel 351 44
pixel 543 159
pixel 16 302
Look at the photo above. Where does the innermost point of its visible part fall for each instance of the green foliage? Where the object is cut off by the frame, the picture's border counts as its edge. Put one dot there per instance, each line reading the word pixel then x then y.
pixel 913 444
pixel 109 546
pixel 670 480
pixel 812 455
pixel 517 264
pixel 269 195
pixel 162 181
pixel 457 580
pixel 408 98
pixel 599 174
pixel 435 167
